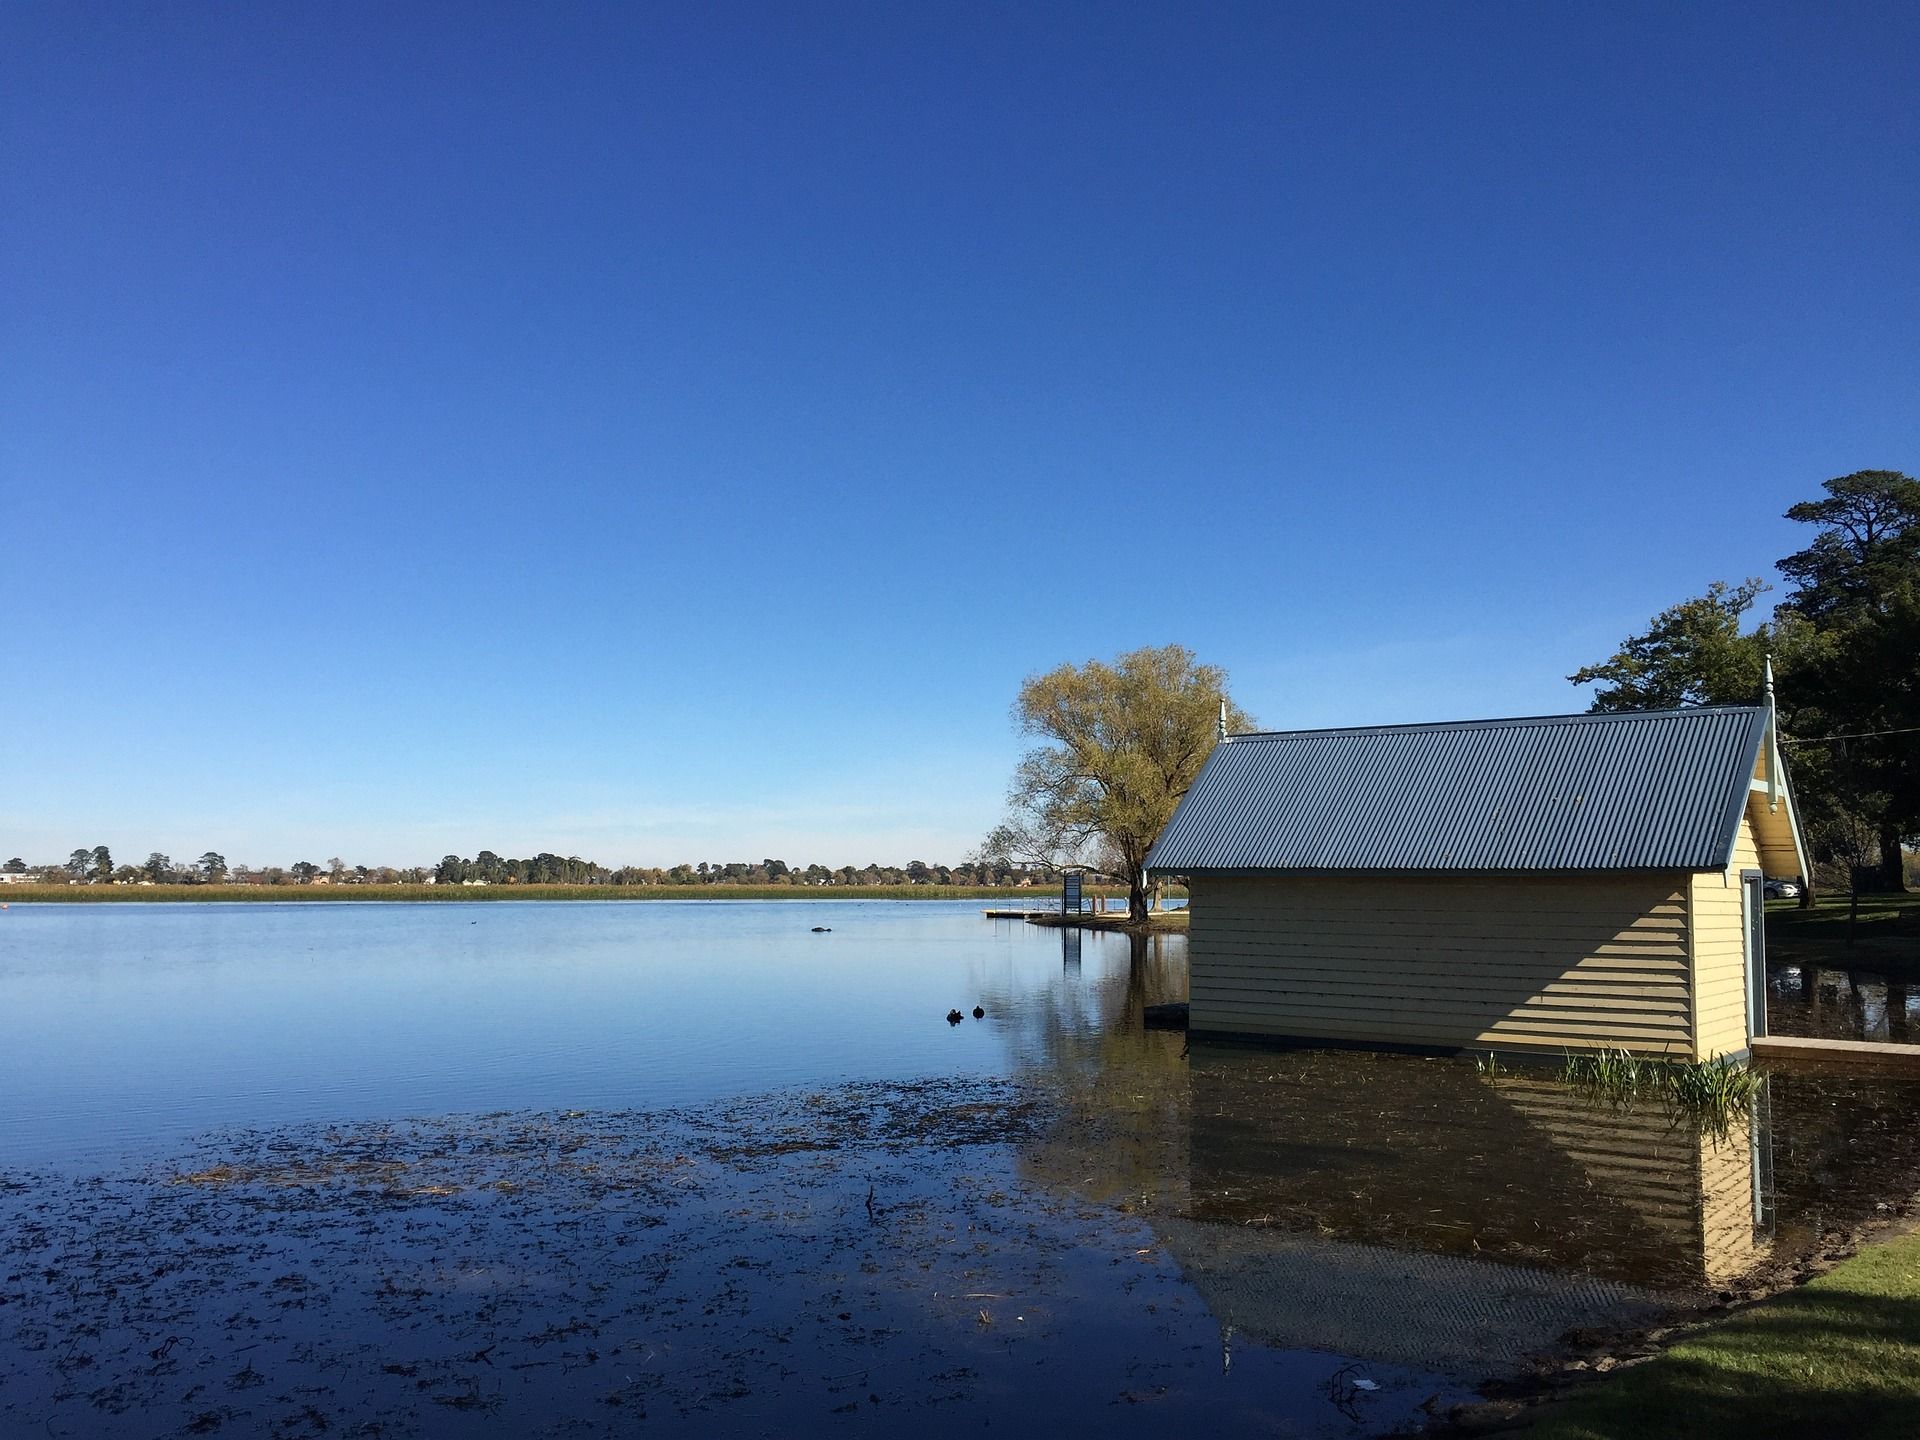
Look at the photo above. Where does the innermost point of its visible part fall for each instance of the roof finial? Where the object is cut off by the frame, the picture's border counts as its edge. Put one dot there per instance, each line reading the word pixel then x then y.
pixel 1223 717
pixel 1772 738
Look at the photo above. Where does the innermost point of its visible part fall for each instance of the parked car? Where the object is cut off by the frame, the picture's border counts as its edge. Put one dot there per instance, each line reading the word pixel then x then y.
pixel 1782 889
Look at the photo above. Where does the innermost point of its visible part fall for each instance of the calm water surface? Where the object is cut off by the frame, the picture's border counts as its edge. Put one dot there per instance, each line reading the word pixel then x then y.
pixel 695 1161
pixel 1833 1002
pixel 127 1027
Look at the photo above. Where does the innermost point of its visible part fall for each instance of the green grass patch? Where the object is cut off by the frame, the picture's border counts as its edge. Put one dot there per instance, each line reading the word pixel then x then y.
pixel 1004 897
pixel 1839 1356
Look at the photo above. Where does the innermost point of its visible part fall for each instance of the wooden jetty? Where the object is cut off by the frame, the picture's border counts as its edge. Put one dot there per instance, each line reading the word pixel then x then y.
pixel 1111 920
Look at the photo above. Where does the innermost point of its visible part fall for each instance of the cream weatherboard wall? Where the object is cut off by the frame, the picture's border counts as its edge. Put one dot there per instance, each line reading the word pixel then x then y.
pixel 1720 948
pixel 1541 963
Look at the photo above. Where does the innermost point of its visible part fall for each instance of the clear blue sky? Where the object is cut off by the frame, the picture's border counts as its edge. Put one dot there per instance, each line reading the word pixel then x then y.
pixel 672 432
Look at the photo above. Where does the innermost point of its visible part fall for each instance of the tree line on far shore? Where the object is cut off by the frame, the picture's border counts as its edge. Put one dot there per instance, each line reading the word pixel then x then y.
pixel 96 866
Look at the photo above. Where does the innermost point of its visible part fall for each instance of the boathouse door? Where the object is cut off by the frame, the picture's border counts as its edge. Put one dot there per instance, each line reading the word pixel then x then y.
pixel 1754 917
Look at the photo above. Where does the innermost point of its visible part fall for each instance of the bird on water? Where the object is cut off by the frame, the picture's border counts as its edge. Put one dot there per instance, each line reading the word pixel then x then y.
pixel 978 1013
pixel 954 1017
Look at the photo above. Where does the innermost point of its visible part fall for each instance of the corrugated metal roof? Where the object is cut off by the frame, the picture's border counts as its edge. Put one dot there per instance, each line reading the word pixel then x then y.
pixel 1652 790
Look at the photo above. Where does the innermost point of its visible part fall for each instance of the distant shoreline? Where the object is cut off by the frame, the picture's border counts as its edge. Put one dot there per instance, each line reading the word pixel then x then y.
pixel 1033 896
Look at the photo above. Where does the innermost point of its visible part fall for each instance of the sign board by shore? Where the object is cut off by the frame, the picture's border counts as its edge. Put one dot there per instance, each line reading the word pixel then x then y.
pixel 1070 895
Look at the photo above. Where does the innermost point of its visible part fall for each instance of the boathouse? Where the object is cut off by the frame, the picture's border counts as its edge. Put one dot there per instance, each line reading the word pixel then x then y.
pixel 1556 883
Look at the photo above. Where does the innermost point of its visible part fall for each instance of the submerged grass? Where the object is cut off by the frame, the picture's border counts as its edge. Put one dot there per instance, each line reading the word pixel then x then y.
pixel 1716 1089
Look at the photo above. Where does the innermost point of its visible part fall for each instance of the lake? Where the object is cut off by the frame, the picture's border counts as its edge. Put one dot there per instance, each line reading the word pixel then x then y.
pixel 443 1168
pixel 125 1028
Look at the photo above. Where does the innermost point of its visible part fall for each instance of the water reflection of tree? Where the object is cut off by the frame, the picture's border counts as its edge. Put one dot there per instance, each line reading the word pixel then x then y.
pixel 1120 1088
pixel 1093 1022
pixel 1841 1004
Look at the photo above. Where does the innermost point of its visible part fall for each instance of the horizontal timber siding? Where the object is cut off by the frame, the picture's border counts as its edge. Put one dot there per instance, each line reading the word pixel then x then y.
pixel 1542 964
pixel 1720 950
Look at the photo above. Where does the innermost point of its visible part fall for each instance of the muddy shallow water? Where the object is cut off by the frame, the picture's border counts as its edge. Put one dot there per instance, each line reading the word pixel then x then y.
pixel 1049 1218
pixel 869 1258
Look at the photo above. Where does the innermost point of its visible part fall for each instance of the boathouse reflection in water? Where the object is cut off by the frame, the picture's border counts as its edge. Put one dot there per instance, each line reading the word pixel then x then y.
pixel 1410 1211
pixel 1416 1211
pixel 1430 1155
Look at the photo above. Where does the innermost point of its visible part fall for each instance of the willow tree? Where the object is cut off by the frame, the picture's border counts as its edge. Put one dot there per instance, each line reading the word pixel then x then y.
pixel 1119 745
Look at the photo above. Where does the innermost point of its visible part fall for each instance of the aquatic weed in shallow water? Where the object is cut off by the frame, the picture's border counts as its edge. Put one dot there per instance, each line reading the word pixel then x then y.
pixel 1714 1090
pixel 1615 1075
pixel 1719 1084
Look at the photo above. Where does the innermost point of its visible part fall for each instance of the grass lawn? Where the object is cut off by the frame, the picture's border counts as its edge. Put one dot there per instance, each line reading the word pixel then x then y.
pixel 1839 1356
pixel 1886 938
